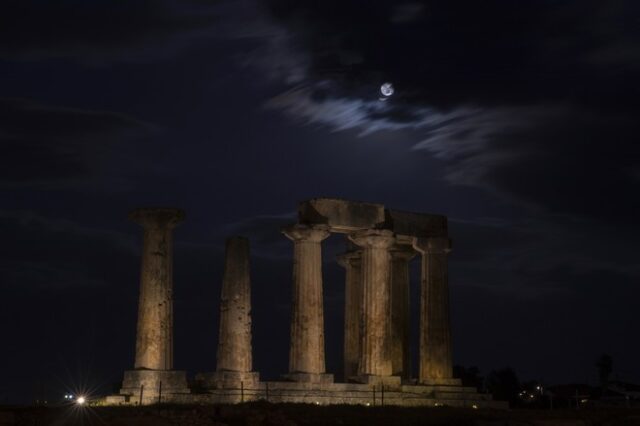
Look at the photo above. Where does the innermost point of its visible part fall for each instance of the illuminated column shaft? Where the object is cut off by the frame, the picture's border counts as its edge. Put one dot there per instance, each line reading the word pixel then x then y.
pixel 154 339
pixel 352 262
pixel 375 354
pixel 306 352
pixel 400 312
pixel 234 343
pixel 435 329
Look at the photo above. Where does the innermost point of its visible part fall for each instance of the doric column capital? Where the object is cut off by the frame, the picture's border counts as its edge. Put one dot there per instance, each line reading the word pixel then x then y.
pixel 349 258
pixel 402 252
pixel 158 218
pixel 373 238
pixel 312 233
pixel 438 245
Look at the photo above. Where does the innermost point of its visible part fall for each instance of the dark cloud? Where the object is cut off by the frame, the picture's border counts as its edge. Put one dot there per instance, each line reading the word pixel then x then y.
pixel 562 160
pixel 555 336
pixel 52 145
pixel 67 286
pixel 510 95
pixel 98 30
pixel 462 52
pixel 525 248
pixel 544 297
pixel 48 253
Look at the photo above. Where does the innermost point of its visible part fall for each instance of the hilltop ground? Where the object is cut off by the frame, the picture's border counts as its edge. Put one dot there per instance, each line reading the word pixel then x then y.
pixel 259 414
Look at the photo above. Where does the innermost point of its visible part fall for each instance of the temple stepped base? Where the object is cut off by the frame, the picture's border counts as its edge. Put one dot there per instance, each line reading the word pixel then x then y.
pixel 151 386
pixel 329 394
pixel 227 379
pixel 311 379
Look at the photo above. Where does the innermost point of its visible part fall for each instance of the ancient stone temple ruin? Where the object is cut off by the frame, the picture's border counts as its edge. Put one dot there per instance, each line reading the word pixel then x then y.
pixel 377 370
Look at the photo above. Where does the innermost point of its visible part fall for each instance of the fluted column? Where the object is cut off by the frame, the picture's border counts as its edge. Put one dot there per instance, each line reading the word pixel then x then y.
pixel 306 352
pixel 352 262
pixel 154 339
pixel 234 342
pixel 400 311
pixel 154 374
pixel 375 355
pixel 435 330
pixel 235 358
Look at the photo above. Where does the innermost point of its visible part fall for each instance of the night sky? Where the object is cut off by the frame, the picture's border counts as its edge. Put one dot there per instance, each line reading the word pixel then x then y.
pixel 517 120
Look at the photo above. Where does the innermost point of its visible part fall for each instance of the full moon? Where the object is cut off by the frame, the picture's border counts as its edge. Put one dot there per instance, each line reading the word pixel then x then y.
pixel 386 89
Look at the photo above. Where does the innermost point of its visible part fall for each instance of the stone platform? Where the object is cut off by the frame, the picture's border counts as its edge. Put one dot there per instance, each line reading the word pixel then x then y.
pixel 333 393
pixel 152 386
pixel 227 379
pixel 322 379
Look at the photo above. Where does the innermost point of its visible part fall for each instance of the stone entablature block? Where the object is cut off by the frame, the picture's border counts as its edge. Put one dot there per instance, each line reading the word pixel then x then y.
pixel 344 216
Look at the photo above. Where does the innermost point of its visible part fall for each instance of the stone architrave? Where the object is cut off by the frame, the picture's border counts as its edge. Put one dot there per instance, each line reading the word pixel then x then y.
pixel 234 360
pixel 306 352
pixel 375 364
pixel 435 330
pixel 154 337
pixel 352 262
pixel 400 311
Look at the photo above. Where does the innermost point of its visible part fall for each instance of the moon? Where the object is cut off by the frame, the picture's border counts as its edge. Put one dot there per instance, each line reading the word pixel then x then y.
pixel 386 89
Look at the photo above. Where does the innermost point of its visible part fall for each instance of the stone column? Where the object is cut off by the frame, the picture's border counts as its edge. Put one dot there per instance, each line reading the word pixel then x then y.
pixel 234 342
pixel 352 262
pixel 154 338
pixel 234 360
pixel 400 311
pixel 306 353
pixel 375 364
pixel 435 332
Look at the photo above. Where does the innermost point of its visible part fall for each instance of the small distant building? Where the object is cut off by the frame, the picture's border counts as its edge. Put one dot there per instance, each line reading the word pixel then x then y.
pixel 570 395
pixel 618 393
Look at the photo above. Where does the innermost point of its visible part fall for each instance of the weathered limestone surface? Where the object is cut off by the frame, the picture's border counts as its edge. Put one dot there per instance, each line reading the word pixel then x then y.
pixel 400 311
pixel 335 393
pixel 234 360
pixel 227 379
pixel 375 355
pixel 352 262
pixel 346 216
pixel 234 345
pixel 341 215
pixel 154 340
pixel 435 330
pixel 306 353
pixel 153 384
pixel 377 288
pixel 358 218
